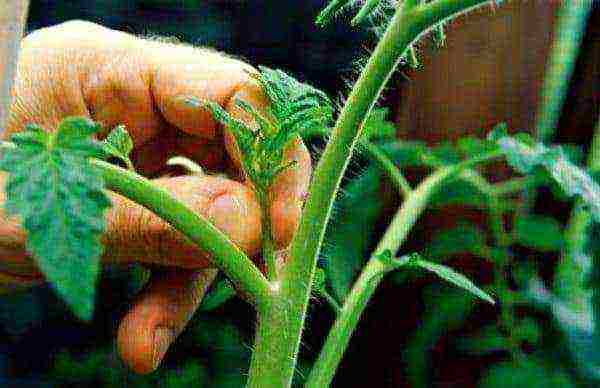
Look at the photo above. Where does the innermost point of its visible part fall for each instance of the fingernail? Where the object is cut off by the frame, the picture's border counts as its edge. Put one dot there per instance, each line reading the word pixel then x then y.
pixel 163 337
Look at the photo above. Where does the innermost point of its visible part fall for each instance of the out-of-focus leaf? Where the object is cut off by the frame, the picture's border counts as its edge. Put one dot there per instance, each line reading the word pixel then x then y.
pixel 529 372
pixel 349 232
pixel 446 310
pixel 485 341
pixel 471 147
pixel 445 153
pixel 405 153
pixel 524 154
pixel 577 326
pixel 377 126
pixel 464 238
pixel 459 192
pixel 538 232
pixel 229 355
pixel 527 330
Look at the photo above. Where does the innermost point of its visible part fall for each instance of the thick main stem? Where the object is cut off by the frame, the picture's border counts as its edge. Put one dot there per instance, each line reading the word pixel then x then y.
pixel 275 369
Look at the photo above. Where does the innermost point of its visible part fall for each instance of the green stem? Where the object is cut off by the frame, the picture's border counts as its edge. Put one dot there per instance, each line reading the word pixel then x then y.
pixel 376 154
pixel 268 245
pixel 387 165
pixel 225 255
pixel 280 324
pixel 331 301
pixel 370 277
pixel 563 56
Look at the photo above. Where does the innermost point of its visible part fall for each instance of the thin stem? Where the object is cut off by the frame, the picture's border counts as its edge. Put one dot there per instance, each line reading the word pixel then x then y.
pixel 268 245
pixel 376 154
pixel 511 186
pixel 226 255
pixel 331 301
pixel 13 15
pixel 281 322
pixel 370 277
pixel 387 165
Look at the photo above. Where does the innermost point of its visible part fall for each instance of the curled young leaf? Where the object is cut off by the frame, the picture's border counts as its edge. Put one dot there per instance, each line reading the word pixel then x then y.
pixel 118 144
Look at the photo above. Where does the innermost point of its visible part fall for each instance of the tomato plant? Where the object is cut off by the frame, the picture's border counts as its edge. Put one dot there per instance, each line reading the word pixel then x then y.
pixel 65 199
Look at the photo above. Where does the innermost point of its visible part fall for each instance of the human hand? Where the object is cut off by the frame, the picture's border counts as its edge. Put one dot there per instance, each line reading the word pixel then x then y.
pixel 79 68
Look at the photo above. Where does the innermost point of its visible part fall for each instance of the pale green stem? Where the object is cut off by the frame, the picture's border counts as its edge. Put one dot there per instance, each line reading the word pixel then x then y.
pixel 224 254
pixel 387 165
pixel 370 277
pixel 268 245
pixel 281 322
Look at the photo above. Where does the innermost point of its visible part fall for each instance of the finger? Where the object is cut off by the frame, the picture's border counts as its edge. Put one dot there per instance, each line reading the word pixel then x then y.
pixel 159 315
pixel 288 191
pixel 136 234
pixel 81 68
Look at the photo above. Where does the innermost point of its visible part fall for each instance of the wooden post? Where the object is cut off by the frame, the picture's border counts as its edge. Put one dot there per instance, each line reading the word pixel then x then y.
pixel 13 16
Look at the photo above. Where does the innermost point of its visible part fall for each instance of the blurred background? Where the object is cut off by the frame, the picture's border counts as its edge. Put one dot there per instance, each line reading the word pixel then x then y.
pixel 413 333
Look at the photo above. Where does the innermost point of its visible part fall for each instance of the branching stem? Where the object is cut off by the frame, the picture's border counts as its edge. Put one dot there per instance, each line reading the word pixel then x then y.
pixel 281 323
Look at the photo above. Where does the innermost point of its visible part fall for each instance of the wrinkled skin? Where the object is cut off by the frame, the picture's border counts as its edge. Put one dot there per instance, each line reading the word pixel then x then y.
pixel 79 68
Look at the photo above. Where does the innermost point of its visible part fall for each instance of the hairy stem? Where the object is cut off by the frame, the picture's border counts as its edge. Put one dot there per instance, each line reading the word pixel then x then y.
pixel 279 332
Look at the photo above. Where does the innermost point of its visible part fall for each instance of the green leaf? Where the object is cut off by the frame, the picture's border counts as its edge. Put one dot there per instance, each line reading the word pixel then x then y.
pixel 377 127
pixel 451 276
pixel 523 154
pixel 220 293
pixel 485 341
pixel 471 147
pixel 459 192
pixel 526 372
pixel 527 330
pixel 464 238
pixel 539 232
pixel 118 144
pixel 446 309
pixel 58 195
pixel 355 214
